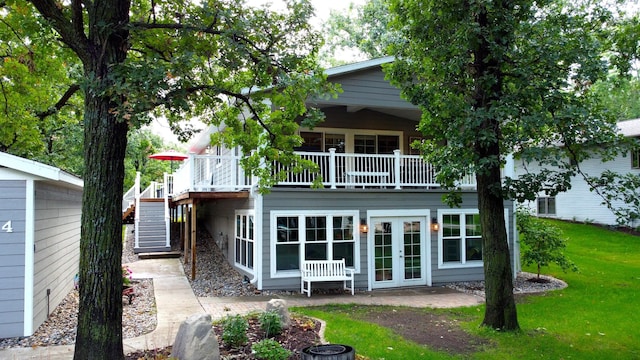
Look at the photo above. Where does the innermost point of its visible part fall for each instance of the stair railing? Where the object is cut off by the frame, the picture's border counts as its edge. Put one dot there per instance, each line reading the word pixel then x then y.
pixel 137 215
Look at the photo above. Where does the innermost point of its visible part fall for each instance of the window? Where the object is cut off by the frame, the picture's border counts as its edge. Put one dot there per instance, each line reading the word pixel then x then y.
pixel 547 205
pixel 244 240
pixel 635 159
pixel 376 144
pixel 314 236
pixel 461 239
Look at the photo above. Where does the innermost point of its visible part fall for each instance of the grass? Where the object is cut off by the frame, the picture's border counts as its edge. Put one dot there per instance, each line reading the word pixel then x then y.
pixel 596 317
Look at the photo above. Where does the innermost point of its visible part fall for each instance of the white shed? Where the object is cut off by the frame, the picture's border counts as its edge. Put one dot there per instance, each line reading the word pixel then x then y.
pixel 40 211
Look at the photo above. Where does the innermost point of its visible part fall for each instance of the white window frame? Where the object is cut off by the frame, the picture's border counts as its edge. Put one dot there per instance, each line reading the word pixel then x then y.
pixel 546 213
pixel 301 214
pixel 250 239
pixel 463 262
pixel 349 135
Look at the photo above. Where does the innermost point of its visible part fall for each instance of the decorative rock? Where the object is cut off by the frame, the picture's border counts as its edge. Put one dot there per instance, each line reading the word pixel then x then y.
pixel 279 306
pixel 196 340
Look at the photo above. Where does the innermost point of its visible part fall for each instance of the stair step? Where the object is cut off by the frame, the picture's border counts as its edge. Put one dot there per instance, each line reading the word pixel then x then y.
pixel 160 255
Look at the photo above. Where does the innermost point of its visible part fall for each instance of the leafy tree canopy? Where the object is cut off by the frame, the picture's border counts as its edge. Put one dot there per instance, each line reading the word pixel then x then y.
pixel 495 78
pixel 218 60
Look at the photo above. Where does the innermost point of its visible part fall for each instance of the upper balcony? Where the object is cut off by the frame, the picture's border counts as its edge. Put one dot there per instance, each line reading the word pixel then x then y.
pixel 204 173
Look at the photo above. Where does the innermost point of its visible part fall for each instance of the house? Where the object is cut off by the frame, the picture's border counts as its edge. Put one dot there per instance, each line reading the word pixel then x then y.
pixel 580 203
pixel 380 208
pixel 40 210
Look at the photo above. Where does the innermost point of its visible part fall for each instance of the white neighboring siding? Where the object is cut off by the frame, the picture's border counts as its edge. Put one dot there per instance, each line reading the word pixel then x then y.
pixel 58 213
pixel 12 266
pixel 579 203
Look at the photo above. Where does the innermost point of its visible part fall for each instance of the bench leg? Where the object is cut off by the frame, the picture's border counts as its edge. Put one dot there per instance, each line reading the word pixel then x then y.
pixel 307 290
pixel 344 284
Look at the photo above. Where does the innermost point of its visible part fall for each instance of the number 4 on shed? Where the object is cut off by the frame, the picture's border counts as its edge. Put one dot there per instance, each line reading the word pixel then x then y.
pixel 7 227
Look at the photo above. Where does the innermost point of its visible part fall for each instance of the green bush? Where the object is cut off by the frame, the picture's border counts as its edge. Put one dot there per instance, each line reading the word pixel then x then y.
pixel 542 243
pixel 269 349
pixel 270 323
pixel 234 330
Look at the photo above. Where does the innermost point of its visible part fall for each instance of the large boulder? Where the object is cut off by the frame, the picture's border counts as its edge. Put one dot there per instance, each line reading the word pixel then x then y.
pixel 196 340
pixel 279 306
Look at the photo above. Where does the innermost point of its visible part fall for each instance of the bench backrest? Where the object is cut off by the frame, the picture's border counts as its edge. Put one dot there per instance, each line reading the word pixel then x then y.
pixel 324 268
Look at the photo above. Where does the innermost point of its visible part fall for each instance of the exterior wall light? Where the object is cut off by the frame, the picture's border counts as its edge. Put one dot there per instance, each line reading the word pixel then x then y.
pixel 434 224
pixel 364 228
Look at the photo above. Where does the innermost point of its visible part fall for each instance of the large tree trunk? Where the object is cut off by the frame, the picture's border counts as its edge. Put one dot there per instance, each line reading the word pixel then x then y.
pixel 500 311
pixel 99 333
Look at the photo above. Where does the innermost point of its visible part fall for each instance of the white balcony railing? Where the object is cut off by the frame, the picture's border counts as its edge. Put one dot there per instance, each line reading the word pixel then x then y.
pixel 337 170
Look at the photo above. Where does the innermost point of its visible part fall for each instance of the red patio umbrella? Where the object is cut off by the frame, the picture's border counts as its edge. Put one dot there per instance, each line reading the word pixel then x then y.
pixel 170 155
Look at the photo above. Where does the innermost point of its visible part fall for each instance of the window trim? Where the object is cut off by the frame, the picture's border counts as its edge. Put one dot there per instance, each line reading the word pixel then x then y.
pixel 249 239
pixel 463 264
pixel 546 199
pixel 301 214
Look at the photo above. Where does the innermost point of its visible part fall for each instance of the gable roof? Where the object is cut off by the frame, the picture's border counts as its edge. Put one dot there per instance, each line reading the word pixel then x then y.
pixel 629 128
pixel 359 66
pixel 40 170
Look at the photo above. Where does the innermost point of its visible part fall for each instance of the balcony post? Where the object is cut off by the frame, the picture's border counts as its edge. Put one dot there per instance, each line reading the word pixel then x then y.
pixel 396 167
pixel 192 172
pixel 332 167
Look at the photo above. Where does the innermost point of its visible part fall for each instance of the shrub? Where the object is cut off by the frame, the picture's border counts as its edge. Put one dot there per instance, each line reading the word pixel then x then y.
pixel 542 242
pixel 234 330
pixel 269 349
pixel 270 323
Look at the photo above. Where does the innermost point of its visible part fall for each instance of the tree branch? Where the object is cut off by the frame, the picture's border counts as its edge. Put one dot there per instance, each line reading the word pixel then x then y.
pixel 62 102
pixel 73 38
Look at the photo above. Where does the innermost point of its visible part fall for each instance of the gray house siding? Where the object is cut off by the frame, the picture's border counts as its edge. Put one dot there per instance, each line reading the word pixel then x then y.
pixel 368 88
pixel 57 246
pixel 363 201
pixel 219 220
pixel 12 257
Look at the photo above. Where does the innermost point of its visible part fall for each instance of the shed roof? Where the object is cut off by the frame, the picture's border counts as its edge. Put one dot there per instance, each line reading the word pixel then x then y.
pixel 37 169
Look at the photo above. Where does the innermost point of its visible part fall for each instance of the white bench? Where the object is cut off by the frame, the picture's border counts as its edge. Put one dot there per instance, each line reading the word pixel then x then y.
pixel 324 270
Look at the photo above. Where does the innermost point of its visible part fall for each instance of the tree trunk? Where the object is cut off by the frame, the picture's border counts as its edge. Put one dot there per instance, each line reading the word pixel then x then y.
pixel 99 333
pixel 500 311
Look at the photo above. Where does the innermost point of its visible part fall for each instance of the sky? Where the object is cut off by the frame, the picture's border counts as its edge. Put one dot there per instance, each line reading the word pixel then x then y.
pixel 323 9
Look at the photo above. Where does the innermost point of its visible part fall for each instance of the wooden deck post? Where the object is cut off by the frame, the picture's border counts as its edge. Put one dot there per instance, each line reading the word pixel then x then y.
pixel 186 233
pixel 193 241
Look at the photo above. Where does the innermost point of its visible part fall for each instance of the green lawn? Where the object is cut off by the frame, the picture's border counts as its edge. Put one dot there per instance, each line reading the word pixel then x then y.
pixel 596 317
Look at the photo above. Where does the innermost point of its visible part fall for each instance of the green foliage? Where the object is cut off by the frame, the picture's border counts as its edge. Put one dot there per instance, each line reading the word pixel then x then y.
pixel 269 349
pixel 270 323
pixel 142 143
pixel 621 194
pixel 363 28
pixel 542 243
pixel 234 332
pixel 620 95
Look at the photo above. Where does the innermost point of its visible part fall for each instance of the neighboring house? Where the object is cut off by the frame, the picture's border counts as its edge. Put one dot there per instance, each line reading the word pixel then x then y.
pixel 380 209
pixel 579 203
pixel 40 210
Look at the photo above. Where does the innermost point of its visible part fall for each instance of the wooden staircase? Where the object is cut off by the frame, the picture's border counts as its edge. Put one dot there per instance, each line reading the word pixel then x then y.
pixel 129 214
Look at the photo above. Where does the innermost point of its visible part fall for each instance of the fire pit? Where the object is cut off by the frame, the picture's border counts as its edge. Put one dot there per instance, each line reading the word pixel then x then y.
pixel 328 352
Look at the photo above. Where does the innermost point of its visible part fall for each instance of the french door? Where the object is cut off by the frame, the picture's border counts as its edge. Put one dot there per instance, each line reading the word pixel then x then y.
pixel 398 251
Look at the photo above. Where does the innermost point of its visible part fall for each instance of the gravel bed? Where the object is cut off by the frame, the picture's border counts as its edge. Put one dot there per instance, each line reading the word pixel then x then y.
pixel 522 285
pixel 215 276
pixel 60 329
